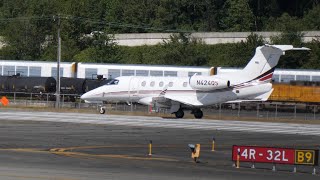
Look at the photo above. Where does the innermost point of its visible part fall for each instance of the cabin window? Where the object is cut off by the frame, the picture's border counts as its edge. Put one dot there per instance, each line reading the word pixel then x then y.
pixel 8 70
pixel 156 73
pixel 152 83
pixel 303 78
pixel 185 84
pixel 192 73
pixel 143 83
pixel 34 71
pixel 275 78
pixel 113 73
pixel 54 72
pixel 22 70
pixel 90 73
pixel 160 84
pixel 127 72
pixel 171 73
pixel 170 84
pixel 287 78
pixel 142 73
pixel 316 78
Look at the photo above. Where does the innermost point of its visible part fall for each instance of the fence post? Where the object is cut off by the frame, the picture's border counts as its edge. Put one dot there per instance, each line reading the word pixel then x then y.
pixel 219 110
pixel 258 110
pixel 295 111
pixel 276 113
pixel 239 106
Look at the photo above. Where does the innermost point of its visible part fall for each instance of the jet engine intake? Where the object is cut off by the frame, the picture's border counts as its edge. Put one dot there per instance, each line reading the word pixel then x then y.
pixel 208 83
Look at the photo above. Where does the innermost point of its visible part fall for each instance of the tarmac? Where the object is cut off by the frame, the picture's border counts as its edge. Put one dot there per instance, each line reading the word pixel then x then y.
pixel 68 146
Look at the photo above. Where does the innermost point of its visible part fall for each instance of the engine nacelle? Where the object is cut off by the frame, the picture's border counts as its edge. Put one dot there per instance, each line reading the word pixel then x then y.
pixel 208 83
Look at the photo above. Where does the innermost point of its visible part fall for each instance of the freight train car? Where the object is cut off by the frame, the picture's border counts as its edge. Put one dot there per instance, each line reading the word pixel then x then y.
pixel 27 84
pixel 74 87
pixel 70 88
pixel 297 92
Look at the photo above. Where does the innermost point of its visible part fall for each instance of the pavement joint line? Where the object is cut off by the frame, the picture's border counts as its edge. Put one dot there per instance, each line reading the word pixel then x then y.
pixel 64 152
pixel 34 177
pixel 75 154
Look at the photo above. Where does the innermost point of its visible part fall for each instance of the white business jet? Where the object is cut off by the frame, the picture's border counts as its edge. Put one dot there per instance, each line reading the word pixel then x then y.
pixel 253 83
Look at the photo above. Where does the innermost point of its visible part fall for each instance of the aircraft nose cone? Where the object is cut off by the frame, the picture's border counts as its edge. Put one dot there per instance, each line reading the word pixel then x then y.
pixel 86 96
pixel 94 94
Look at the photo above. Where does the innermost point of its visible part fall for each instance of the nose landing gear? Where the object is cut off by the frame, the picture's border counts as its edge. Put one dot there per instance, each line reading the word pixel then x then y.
pixel 102 110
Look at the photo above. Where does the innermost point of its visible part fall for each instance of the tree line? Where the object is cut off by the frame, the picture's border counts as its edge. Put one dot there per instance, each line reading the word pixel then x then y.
pixel 28 29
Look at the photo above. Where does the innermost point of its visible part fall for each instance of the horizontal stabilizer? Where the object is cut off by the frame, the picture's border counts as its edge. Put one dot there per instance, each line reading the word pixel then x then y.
pixel 262 97
pixel 287 47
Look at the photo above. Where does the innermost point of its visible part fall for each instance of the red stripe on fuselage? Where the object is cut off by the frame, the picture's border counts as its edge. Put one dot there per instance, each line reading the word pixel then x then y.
pixel 269 76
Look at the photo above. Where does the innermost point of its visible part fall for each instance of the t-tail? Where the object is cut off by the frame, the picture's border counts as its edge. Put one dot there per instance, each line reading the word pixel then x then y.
pixel 263 63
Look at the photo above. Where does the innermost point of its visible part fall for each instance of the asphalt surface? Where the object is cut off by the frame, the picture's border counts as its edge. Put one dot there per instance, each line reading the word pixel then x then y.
pixel 49 147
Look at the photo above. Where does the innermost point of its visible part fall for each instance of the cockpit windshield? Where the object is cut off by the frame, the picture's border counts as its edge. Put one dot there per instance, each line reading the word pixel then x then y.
pixel 112 82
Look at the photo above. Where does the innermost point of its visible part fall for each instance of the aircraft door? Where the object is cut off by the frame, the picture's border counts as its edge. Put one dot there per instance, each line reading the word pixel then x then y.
pixel 133 88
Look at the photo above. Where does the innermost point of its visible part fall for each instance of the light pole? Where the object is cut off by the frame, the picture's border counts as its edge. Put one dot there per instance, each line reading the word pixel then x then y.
pixel 58 66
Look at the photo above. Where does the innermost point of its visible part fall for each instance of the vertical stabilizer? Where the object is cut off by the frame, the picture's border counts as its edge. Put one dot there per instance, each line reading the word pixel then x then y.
pixel 264 61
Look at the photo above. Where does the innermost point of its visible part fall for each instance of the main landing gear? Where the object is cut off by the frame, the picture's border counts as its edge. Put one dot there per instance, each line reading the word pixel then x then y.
pixel 198 114
pixel 179 113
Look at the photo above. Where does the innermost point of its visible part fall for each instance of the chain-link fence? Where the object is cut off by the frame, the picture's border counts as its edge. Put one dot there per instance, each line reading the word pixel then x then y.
pixel 266 110
pixel 252 110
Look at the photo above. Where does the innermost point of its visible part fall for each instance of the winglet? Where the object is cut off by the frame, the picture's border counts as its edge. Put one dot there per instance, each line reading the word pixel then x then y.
pixel 164 91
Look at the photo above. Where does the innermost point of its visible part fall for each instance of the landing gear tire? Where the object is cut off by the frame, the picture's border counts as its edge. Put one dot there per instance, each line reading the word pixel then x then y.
pixel 179 114
pixel 198 114
pixel 102 110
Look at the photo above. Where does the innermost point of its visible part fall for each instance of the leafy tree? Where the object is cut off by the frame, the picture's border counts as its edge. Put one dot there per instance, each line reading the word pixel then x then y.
pixel 182 49
pixel 30 31
pixel 311 19
pixel 313 56
pixel 130 16
pixel 241 53
pixel 102 49
pixel 26 35
pixel 290 28
pixel 238 16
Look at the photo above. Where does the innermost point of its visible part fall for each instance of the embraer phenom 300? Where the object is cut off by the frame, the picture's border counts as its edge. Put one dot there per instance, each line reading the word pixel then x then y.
pixel 253 83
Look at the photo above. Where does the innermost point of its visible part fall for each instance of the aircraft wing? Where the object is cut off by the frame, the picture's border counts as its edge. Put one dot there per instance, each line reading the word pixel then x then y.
pixel 188 100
